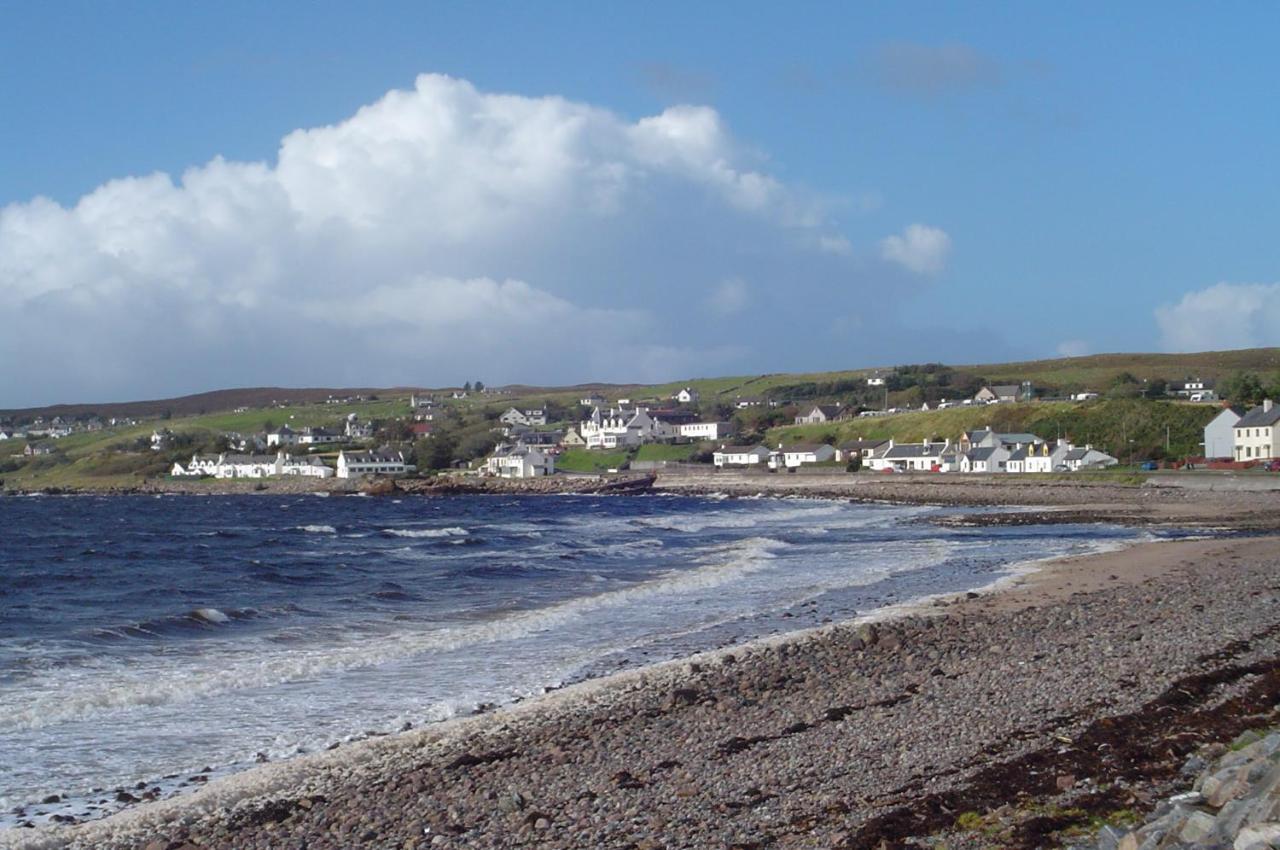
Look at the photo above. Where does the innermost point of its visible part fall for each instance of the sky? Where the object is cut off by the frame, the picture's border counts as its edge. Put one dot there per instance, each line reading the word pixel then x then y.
pixel 202 196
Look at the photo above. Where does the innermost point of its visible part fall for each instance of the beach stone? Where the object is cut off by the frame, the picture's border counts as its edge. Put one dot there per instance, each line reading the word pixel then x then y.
pixel 1197 827
pixel 1226 785
pixel 1260 836
pixel 1109 838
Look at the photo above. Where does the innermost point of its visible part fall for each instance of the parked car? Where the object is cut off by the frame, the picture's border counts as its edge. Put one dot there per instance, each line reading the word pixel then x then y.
pixel 1149 466
pixel 1272 466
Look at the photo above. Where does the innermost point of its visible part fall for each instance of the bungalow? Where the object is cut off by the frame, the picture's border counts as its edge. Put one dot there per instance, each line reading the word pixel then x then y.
pixel 925 456
pixel 520 462
pixel 592 400
pixel 1255 433
pixel 33 450
pixel 544 440
pixel 1085 396
pixel 820 413
pixel 421 429
pixel 863 449
pixel 572 439
pixel 1220 433
pixel 1087 458
pixel 746 456
pixel 704 430
pixel 744 401
pixel 380 462
pixel 791 457
pixel 1001 393
pixel 876 380
pixel 688 395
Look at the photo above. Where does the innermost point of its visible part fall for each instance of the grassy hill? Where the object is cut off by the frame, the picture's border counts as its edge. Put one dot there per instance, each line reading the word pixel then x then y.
pixel 1123 428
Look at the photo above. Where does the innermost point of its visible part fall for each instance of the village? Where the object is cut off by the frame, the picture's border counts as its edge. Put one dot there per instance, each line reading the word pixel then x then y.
pixel 468 432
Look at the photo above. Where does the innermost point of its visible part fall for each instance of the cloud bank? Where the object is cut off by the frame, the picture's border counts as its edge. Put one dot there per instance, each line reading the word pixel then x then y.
pixel 1223 316
pixel 439 234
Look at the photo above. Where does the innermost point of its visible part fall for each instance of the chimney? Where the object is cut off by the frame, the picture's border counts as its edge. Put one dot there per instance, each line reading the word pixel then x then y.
pixel 1267 404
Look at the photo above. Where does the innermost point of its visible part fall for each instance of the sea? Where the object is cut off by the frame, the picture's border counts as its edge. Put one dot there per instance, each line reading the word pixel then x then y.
pixel 146 640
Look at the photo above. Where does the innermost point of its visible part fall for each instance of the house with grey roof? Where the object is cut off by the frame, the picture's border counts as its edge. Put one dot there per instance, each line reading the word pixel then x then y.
pixel 862 449
pixel 740 456
pixel 925 456
pixel 1255 433
pixel 800 454
pixel 1220 433
pixel 985 459
pixel 820 413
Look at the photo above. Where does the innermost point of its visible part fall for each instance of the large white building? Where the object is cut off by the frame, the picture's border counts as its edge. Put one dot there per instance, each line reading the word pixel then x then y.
pixel 381 462
pixel 704 430
pixel 1255 433
pixel 232 465
pixel 621 428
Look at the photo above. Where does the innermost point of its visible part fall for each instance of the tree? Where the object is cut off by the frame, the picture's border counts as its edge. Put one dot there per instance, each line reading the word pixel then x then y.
pixel 479 386
pixel 1243 388
pixel 466 387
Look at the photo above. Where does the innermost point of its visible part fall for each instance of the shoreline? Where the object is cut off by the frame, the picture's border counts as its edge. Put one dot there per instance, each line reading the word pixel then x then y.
pixel 481 743
pixel 1231 505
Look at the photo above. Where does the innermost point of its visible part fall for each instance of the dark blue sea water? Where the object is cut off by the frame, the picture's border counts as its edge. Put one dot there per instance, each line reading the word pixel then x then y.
pixel 145 636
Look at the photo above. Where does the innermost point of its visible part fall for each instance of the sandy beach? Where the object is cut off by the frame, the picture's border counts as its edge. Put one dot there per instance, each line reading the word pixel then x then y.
pixel 1085 680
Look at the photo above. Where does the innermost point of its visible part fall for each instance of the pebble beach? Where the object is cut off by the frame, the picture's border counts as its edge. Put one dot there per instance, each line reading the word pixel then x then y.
pixel 850 735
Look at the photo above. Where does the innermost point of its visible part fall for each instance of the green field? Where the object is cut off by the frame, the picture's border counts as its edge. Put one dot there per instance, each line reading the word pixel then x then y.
pixel 584 460
pixel 1122 428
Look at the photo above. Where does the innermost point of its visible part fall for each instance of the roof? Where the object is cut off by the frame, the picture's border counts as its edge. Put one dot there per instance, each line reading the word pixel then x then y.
pixel 1018 454
pixel 1019 438
pixel 855 445
pixel 381 456
pixel 1006 389
pixel 982 453
pixel 238 459
pixel 909 450
pixel 739 450
pixel 1260 417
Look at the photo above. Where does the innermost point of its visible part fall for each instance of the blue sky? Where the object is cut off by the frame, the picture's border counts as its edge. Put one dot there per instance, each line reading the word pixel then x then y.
pixel 973 184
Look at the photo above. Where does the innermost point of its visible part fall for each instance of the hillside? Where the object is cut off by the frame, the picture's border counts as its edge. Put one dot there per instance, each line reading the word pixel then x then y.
pixel 1061 374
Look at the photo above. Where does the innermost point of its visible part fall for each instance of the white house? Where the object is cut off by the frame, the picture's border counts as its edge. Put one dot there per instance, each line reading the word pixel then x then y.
pixel 520 462
pixel 524 417
pixel 1220 433
pixel 316 437
pixel 307 467
pixel 572 439
pixel 381 462
pixel 876 380
pixel 1255 433
pixel 592 400
pixel 1088 457
pixel 985 459
pixel 284 436
pixel 1039 457
pixel 618 427
pixel 688 395
pixel 419 402
pixel 248 466
pixel 161 439
pixel 999 393
pixel 790 457
pixel 354 429
pixel 1085 396
pixel 704 430
pixel 925 456
pixel 740 456
pixel 820 413
pixel 863 449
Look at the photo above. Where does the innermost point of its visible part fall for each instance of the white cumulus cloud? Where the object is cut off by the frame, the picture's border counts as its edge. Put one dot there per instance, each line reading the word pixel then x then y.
pixel 437 234
pixel 920 248
pixel 1223 316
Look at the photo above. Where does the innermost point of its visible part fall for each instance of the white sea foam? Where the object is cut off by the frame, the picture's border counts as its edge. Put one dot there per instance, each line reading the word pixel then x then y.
pixel 210 615
pixel 317 529
pixel 455 531
pixel 151 682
